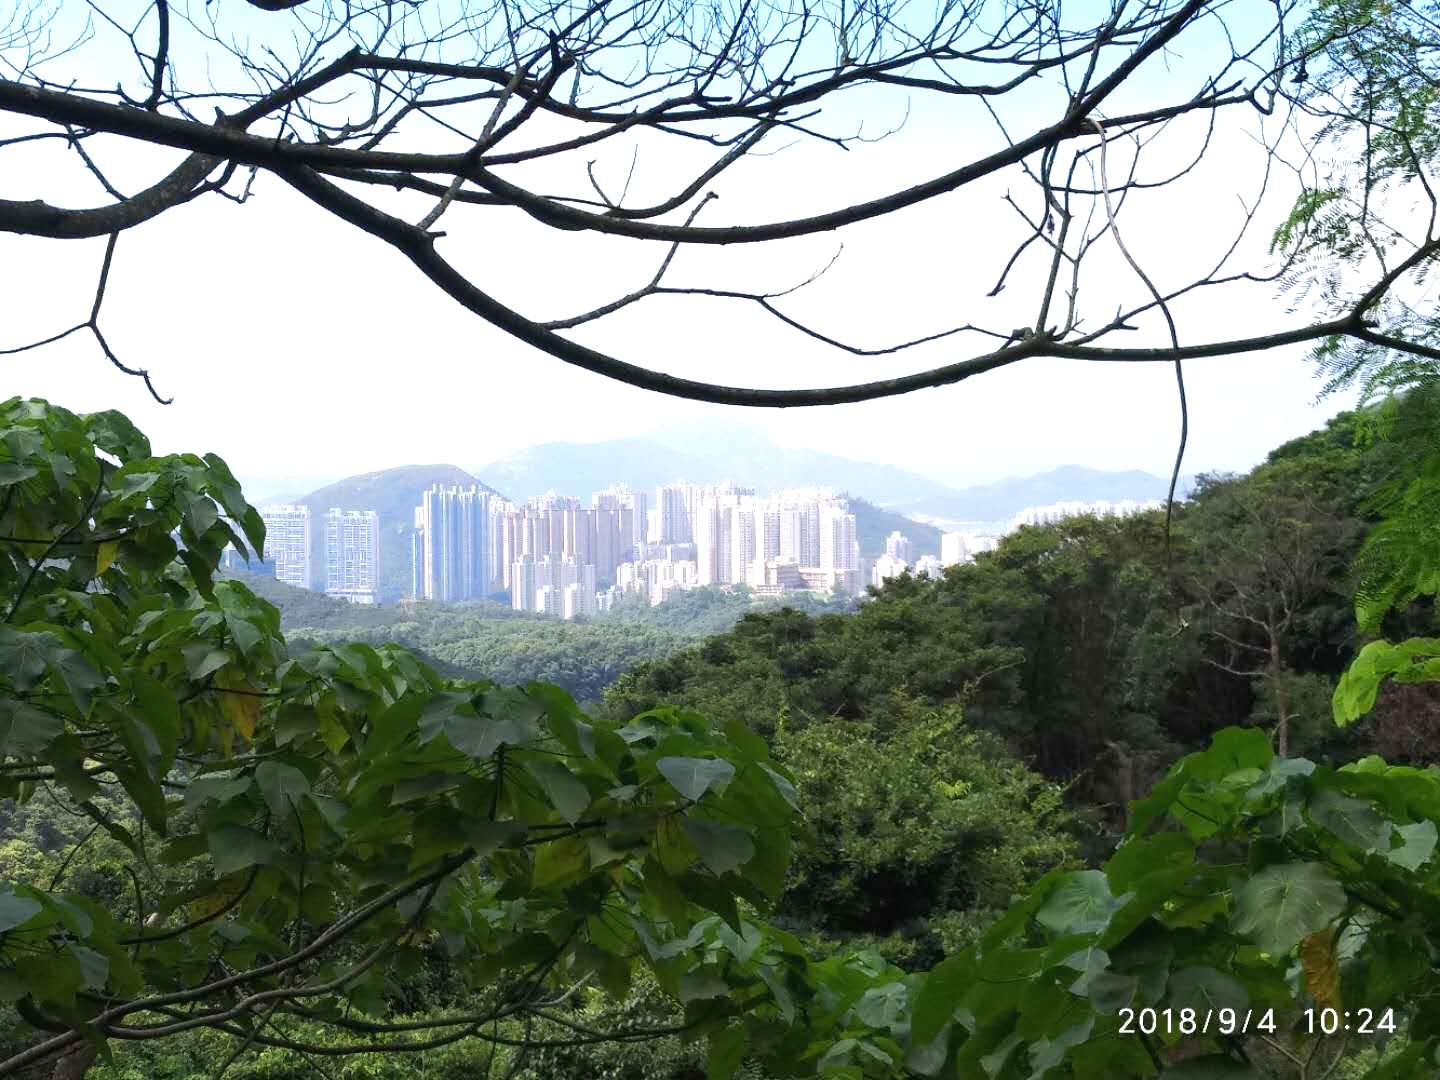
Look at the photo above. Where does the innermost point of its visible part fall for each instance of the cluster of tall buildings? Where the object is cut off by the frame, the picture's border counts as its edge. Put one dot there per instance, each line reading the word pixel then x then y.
pixel 955 548
pixel 554 554
pixel 342 550
pixel 469 544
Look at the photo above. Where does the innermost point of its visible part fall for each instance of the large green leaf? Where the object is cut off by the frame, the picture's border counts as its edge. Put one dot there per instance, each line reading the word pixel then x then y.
pixel 1282 904
pixel 1354 821
pixel 1080 904
pixel 283 786
pixel 234 847
pixel 1417 845
pixel 25 729
pixel 692 777
pixel 940 996
pixel 24 656
pixel 16 910
pixel 1205 990
pixel 569 796
pixel 727 1051
pixel 722 847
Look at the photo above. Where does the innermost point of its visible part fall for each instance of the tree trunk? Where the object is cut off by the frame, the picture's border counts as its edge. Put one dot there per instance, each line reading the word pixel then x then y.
pixel 75 1062
pixel 1282 707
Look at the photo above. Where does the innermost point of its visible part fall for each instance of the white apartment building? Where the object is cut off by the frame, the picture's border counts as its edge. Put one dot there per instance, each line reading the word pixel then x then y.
pixel 352 555
pixel 956 547
pixel 898 546
pixel 930 565
pixel 1050 513
pixel 553 585
pixel 839 547
pixel 287 542
pixel 670 520
pixel 744 547
pixel 953 549
pixel 887 567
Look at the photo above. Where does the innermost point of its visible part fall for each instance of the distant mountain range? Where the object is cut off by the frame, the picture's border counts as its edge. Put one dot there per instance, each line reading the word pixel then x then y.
pixel 704 453
pixel 883 497
pixel 710 451
pixel 393 492
pixel 1004 499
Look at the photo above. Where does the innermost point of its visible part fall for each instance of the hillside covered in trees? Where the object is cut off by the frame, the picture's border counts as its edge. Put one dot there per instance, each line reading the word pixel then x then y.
pixel 1152 798
pixel 952 741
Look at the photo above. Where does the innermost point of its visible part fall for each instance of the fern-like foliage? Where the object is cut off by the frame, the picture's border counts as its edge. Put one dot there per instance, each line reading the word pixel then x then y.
pixel 1400 559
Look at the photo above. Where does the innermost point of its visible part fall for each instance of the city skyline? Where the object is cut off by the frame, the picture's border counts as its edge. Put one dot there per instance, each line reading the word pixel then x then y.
pixel 553 555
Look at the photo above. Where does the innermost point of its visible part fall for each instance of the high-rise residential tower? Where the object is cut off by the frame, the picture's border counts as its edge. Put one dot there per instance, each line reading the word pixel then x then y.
pixel 287 542
pixel 455 548
pixel 352 555
pixel 898 546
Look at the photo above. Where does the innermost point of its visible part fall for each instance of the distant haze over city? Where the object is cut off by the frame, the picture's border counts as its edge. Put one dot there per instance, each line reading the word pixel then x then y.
pixel 572 529
pixel 714 450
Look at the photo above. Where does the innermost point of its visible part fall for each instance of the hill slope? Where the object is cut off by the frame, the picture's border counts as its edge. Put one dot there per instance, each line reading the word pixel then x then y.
pixel 702 453
pixel 1006 498
pixel 873 525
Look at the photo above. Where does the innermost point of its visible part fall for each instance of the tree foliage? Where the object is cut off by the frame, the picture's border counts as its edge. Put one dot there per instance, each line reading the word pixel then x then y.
pixel 302 825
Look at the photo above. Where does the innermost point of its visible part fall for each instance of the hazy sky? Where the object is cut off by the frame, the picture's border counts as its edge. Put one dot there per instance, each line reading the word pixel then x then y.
pixel 295 346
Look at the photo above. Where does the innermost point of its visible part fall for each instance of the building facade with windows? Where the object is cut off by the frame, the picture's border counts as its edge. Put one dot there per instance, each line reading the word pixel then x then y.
pixel 352 555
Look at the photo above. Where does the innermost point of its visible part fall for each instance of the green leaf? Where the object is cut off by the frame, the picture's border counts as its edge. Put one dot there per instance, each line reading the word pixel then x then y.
pixel 283 786
pixel 560 860
pixel 234 847
pixel 26 730
pixel 939 996
pixel 24 657
pixel 1282 904
pixel 201 514
pixel 1204 989
pixel 692 777
pixel 727 1051
pixel 94 967
pixel 202 659
pixel 569 796
pixel 882 1006
pixel 837 1055
pixel 1081 904
pixel 488 836
pixel 713 894
pixel 927 1059
pixel 722 847
pixel 1417 845
pixel 783 786
pixel 16 910
pixel 1359 685
pixel 1354 821
pixel 994 1061
pixel 698 986
pixel 216 787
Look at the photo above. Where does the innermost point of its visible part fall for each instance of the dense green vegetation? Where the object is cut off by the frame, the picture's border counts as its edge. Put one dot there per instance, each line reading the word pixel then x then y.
pixel 487 640
pixel 1103 805
pixel 186 781
pixel 1096 648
